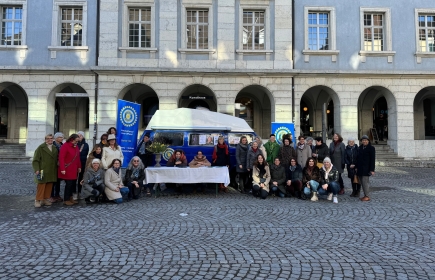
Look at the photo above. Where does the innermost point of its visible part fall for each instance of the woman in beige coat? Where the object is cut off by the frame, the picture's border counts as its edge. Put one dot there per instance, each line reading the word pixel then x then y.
pixel 111 152
pixel 260 177
pixel 115 189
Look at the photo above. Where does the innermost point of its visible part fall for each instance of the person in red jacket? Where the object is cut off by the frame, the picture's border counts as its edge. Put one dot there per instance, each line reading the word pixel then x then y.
pixel 69 167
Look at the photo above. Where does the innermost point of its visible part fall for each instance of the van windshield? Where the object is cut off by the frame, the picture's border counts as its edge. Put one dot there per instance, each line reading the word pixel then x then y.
pixel 203 139
pixel 170 138
pixel 234 138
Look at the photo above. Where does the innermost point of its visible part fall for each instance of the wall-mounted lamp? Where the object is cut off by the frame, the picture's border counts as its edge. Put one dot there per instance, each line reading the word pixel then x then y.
pixel 327 111
pixel 305 109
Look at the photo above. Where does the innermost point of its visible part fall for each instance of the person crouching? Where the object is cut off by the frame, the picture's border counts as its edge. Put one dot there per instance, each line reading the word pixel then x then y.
pixel 260 178
pixel 93 181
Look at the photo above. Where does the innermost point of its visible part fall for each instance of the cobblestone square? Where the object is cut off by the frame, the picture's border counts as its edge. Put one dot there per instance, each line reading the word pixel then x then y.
pixel 232 236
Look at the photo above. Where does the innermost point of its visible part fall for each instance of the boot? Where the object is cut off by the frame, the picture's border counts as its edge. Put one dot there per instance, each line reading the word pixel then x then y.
pixel 353 190
pixel 314 198
pixel 71 199
pixel 358 190
pixel 68 203
pixel 341 191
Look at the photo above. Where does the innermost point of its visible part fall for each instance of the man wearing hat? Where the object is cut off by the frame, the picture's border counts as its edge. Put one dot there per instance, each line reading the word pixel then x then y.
pixel 365 166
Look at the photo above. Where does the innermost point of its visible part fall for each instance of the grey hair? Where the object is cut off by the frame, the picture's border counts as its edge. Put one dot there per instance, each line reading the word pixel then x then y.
pixel 81 133
pixel 130 164
pixel 350 139
pixel 58 134
pixel 327 159
pixel 310 139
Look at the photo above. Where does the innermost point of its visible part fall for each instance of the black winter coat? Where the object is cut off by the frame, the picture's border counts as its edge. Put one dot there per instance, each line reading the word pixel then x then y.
pixel 294 175
pixel 332 176
pixel 366 160
pixel 242 157
pixel 277 174
pixel 322 151
pixel 84 151
pixel 351 157
pixel 137 177
pixel 222 158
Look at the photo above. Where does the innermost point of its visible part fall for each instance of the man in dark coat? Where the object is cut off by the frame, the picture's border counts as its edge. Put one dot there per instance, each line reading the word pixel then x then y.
pixel 365 166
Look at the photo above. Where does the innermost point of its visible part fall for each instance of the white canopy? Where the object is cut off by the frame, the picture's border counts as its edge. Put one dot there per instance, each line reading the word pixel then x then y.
pixel 194 119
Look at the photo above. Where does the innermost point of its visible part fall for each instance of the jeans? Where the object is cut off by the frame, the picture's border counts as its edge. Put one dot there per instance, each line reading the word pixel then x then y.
pixel 124 192
pixel 333 187
pixel 257 191
pixel 274 189
pixel 314 185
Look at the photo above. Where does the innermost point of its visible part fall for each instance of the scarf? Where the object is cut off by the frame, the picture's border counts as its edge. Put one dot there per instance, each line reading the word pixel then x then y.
pixel 336 144
pixel 174 158
pixel 116 170
pixel 244 146
pixel 301 146
pixel 50 147
pixel 292 168
pixel 98 156
pixel 135 172
pixel 255 150
pixel 220 146
pixel 261 168
pixel 327 171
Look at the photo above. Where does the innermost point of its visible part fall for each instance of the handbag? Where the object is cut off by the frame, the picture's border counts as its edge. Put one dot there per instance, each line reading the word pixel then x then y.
pixel 356 179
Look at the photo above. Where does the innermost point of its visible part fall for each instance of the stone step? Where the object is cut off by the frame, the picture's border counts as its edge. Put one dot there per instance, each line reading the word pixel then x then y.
pixel 14 158
pixel 407 163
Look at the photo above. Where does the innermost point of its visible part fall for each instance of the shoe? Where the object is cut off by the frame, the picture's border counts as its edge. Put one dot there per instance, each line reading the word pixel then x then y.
pixel 334 199
pixel 52 199
pixel 92 199
pixel 58 199
pixel 37 204
pixel 365 198
pixel 314 198
pixel 68 203
pixel 341 191
pixel 329 196
pixel 73 201
pixel 46 202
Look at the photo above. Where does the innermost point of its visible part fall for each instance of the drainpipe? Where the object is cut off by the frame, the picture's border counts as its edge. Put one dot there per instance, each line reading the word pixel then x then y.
pixel 293 62
pixel 97 54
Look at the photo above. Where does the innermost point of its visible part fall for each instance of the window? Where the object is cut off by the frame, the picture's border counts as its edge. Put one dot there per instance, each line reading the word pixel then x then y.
pixel 170 138
pixel 196 139
pixel 71 26
pixel 320 32
pixel 12 25
pixel 234 138
pixel 426 33
pixel 139 28
pixel 373 32
pixel 253 30
pixel 197 29
pixel 376 37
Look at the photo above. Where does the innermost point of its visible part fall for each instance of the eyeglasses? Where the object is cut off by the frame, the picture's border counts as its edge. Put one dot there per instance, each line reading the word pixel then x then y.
pixel 135 161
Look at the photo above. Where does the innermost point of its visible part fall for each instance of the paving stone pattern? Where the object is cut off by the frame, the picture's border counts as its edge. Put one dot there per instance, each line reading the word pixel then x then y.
pixel 233 236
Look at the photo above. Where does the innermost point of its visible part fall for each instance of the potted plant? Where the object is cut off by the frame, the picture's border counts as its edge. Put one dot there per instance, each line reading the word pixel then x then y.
pixel 157 148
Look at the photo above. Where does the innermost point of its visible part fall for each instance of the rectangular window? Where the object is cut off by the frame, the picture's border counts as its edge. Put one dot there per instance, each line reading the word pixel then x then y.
pixel 196 139
pixel 71 26
pixel 139 28
pixel 253 30
pixel 12 25
pixel 426 33
pixel 318 31
pixel 170 138
pixel 373 32
pixel 197 29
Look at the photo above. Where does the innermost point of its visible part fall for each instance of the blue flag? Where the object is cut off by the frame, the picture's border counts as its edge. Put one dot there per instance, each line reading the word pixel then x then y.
pixel 127 125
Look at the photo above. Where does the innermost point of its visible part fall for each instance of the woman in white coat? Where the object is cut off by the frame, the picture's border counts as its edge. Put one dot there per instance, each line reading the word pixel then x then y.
pixel 111 152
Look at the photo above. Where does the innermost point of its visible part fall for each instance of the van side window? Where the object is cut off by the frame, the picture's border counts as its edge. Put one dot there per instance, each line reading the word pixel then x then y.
pixel 234 138
pixel 202 139
pixel 169 138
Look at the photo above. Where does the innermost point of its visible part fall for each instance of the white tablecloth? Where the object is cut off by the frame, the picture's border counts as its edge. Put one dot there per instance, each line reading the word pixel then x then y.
pixel 187 175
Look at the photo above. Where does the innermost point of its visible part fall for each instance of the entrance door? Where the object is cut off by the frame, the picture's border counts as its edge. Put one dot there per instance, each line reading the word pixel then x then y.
pixel 4 105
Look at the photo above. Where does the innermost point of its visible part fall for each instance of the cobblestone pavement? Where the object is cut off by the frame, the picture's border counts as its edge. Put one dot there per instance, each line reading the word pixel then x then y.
pixel 233 236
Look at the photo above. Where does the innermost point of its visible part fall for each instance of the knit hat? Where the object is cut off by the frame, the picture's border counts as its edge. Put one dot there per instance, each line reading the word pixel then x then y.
pixel 95 160
pixel 327 159
pixel 365 137
pixel 58 134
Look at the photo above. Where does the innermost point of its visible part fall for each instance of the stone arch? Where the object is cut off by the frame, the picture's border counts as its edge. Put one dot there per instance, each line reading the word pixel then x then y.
pixel 257 106
pixel 424 114
pixel 13 113
pixel 144 95
pixel 368 111
pixel 197 96
pixel 314 98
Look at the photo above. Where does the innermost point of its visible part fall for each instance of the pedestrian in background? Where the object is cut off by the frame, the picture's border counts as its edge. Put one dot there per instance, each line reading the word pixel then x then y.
pixel 69 167
pixel 55 191
pixel 336 154
pixel 365 166
pixel 351 159
pixel 303 151
pixel 272 149
pixel 111 152
pixel 84 151
pixel 45 168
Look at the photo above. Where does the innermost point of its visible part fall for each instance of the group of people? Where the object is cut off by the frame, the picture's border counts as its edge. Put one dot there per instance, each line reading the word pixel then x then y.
pixel 307 171
pixel 93 176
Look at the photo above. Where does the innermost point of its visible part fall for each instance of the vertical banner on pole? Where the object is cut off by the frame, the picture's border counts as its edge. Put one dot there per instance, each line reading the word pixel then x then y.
pixel 280 129
pixel 127 126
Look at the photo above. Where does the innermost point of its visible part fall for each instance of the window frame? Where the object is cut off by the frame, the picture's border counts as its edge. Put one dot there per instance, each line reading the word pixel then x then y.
pixel 140 4
pixel 246 6
pixel 16 3
pixel 388 42
pixel 419 54
pixel 62 21
pixel 56 28
pixel 333 52
pixel 200 5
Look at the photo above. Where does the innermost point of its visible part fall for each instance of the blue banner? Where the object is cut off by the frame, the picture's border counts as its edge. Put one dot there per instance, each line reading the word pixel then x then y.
pixel 280 129
pixel 127 125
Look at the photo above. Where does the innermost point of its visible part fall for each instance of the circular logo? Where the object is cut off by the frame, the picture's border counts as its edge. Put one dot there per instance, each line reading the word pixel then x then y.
pixel 168 153
pixel 128 116
pixel 280 132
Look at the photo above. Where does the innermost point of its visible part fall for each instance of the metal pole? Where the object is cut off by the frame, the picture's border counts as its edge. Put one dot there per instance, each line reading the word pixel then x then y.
pixel 97 54
pixel 324 128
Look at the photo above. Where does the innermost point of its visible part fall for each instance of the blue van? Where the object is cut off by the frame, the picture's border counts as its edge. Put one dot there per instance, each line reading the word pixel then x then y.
pixel 193 130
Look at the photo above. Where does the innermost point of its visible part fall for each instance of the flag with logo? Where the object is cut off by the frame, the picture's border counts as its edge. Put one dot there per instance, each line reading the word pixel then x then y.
pixel 127 126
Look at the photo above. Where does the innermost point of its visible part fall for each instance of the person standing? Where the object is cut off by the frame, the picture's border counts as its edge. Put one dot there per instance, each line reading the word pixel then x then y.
pixel 336 154
pixel 321 151
pixel 84 151
pixel 365 166
pixel 242 158
pixel 103 140
pixel 303 151
pixel 69 167
pixel 272 149
pixel 145 155
pixel 351 159
pixel 221 157
pixel 111 152
pixel 381 126
pixel 45 168
pixel 286 152
pixel 55 191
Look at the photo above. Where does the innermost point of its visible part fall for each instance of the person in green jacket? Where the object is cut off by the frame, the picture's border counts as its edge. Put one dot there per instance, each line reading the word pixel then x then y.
pixel 45 168
pixel 272 149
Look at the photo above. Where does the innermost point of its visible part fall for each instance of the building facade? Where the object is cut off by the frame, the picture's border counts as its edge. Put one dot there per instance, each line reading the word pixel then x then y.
pixel 65 71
